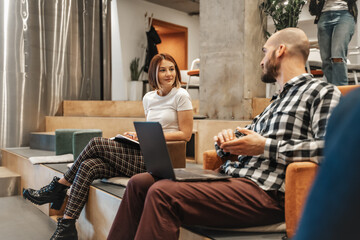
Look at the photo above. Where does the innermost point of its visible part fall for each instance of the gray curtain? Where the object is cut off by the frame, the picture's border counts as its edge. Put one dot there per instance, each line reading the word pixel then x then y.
pixel 50 50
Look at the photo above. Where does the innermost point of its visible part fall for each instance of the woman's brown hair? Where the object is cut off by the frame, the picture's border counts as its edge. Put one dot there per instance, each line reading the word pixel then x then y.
pixel 154 70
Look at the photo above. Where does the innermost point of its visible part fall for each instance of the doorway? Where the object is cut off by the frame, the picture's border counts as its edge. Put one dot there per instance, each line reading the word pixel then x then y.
pixel 174 41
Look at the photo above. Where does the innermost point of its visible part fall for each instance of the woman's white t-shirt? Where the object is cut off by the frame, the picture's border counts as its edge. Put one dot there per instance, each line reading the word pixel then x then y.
pixel 164 109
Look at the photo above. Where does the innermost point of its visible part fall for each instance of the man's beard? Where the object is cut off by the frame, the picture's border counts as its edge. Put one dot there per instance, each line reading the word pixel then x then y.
pixel 271 70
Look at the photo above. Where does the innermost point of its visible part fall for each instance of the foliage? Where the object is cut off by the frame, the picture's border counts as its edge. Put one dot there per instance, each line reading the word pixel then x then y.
pixel 284 13
pixel 134 69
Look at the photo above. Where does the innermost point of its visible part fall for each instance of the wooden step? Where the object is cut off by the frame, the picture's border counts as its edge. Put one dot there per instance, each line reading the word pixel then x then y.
pixel 108 108
pixel 9 183
pixel 110 126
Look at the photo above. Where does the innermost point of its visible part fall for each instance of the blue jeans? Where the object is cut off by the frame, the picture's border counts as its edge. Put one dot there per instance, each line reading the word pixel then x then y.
pixel 335 30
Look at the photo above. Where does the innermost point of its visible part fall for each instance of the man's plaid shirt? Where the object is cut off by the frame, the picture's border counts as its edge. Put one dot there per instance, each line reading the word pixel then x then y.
pixel 294 125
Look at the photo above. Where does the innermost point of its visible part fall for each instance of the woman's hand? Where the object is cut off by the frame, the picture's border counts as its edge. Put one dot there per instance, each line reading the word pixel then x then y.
pixel 131 135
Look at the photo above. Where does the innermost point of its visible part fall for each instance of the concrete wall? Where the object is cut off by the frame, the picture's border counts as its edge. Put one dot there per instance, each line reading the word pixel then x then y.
pixel 129 38
pixel 230 50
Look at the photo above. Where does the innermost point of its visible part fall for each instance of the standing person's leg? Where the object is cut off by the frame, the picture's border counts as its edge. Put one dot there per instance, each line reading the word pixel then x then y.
pixel 325 33
pixel 342 34
pixel 128 216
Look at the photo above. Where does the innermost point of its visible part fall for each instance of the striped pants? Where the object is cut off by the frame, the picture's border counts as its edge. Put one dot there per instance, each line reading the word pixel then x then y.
pixel 101 158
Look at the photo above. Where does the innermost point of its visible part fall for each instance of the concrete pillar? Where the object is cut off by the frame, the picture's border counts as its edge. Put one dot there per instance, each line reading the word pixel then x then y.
pixel 231 38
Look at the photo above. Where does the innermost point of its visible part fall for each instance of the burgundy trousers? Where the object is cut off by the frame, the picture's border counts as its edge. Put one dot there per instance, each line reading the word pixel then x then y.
pixel 154 209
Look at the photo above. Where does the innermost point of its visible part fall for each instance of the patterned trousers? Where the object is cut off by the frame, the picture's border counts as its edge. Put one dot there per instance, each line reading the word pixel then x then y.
pixel 101 158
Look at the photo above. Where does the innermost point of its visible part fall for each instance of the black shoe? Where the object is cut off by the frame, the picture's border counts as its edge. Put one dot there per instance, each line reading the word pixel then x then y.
pixel 65 230
pixel 53 193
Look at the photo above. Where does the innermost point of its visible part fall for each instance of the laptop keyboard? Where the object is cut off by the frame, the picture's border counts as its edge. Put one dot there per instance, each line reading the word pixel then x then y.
pixel 185 174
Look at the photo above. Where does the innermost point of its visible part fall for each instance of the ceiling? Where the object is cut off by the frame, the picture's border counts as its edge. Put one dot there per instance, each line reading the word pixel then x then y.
pixel 191 7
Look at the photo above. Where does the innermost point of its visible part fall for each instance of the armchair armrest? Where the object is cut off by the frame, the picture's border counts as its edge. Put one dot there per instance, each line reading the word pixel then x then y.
pixel 298 181
pixel 212 161
pixel 177 152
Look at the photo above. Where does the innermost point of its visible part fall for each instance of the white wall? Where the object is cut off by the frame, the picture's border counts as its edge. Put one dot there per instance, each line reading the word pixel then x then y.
pixel 129 37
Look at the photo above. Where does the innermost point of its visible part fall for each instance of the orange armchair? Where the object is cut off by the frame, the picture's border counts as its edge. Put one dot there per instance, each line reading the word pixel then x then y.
pixel 296 190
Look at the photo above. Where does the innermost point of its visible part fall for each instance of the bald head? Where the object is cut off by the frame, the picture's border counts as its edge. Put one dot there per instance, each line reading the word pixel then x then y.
pixel 294 39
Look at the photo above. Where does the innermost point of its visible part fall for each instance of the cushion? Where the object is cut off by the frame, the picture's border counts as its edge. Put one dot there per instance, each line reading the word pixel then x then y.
pixel 52 159
pixel 73 140
pixel 120 181
pixel 81 138
pixel 63 141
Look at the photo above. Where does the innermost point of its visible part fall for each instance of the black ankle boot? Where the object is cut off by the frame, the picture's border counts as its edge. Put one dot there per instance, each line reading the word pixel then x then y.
pixel 65 230
pixel 53 193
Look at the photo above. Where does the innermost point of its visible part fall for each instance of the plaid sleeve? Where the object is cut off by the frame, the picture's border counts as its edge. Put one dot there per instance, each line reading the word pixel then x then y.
pixel 312 148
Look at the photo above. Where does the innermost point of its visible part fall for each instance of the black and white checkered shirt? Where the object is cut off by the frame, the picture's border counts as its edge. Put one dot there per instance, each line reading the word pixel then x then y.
pixel 294 126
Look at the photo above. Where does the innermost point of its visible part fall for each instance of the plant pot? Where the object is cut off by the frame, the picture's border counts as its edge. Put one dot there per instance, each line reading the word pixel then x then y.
pixel 135 90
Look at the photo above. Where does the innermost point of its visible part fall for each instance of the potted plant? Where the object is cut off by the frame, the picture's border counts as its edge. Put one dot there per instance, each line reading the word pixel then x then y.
pixel 134 69
pixel 284 13
pixel 135 90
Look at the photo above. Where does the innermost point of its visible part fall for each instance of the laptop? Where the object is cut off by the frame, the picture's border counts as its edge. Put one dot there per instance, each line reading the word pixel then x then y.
pixel 157 158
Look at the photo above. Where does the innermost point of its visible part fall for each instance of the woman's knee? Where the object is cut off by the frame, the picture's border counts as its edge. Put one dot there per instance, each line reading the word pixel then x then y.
pixel 94 141
pixel 87 168
pixel 93 147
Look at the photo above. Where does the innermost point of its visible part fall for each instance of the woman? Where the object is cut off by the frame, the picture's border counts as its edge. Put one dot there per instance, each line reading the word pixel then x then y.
pixel 104 158
pixel 336 25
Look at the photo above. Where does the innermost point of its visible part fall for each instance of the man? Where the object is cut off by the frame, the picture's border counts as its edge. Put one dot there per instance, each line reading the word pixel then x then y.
pixel 332 209
pixel 291 128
